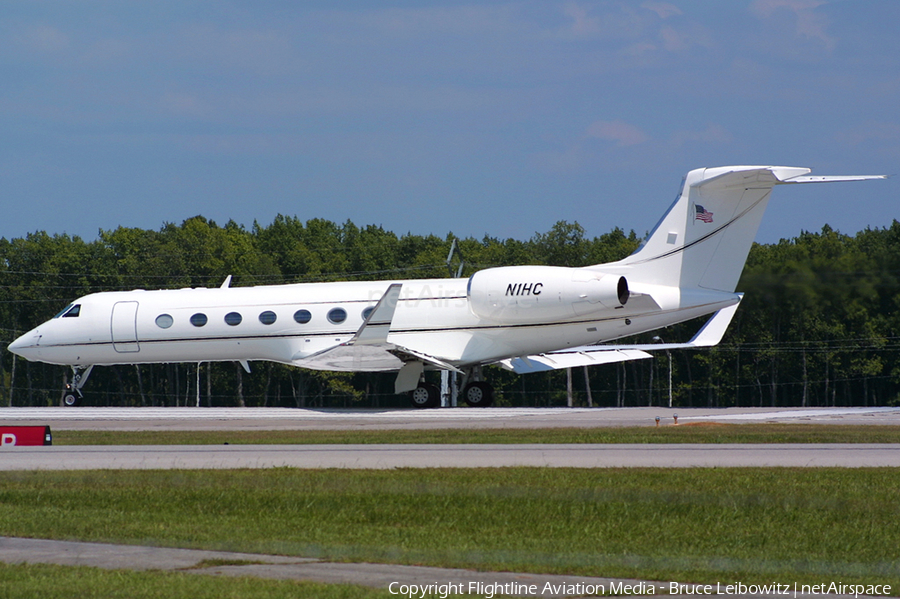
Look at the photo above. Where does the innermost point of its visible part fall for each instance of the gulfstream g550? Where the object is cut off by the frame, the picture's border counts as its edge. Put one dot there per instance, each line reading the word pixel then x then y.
pixel 524 318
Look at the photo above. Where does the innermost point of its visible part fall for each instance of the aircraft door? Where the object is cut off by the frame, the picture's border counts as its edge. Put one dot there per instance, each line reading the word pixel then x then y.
pixel 124 327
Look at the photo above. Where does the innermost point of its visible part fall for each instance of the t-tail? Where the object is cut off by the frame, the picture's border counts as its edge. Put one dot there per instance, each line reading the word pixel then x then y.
pixel 704 238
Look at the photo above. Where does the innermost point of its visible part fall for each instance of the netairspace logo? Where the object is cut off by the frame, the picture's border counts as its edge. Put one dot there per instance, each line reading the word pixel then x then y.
pixel 620 588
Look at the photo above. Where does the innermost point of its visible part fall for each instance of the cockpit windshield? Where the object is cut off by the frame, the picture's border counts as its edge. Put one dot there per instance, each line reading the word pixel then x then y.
pixel 70 311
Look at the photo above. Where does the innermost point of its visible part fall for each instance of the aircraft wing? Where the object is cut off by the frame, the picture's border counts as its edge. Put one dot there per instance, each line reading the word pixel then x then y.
pixel 571 358
pixel 587 355
pixel 369 350
pixel 375 328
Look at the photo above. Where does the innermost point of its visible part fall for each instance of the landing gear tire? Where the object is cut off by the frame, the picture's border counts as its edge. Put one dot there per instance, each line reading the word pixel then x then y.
pixel 70 399
pixel 72 391
pixel 478 394
pixel 425 395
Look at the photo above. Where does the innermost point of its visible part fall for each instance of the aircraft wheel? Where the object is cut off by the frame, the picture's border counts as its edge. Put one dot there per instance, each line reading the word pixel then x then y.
pixel 425 395
pixel 478 394
pixel 70 400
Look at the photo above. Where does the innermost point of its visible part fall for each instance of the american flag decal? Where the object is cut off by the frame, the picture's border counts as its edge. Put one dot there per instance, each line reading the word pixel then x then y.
pixel 702 214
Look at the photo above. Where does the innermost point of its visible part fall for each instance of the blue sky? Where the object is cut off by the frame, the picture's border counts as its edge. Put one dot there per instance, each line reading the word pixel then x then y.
pixel 442 116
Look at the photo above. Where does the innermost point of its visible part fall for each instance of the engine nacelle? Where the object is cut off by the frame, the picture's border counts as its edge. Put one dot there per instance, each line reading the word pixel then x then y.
pixel 533 294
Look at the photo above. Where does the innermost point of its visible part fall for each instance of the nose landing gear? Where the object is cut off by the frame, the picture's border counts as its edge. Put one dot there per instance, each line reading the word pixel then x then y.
pixel 72 395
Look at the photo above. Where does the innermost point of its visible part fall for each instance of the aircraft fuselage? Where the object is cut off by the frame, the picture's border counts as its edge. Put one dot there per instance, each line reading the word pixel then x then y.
pixel 291 324
pixel 527 318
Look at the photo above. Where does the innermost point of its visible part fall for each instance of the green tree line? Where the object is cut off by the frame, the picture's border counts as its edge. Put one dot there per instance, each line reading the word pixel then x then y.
pixel 818 326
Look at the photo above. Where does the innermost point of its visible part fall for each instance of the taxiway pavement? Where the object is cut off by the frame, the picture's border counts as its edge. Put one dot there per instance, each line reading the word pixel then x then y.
pixel 394 577
pixel 131 557
pixel 395 456
pixel 131 457
pixel 135 419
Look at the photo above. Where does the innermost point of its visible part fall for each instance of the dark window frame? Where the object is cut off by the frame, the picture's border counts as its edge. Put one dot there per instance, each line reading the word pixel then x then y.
pixel 337 315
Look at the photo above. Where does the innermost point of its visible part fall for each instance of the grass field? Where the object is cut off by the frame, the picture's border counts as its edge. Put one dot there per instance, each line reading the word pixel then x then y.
pixel 693 525
pixel 691 433
pixel 63 582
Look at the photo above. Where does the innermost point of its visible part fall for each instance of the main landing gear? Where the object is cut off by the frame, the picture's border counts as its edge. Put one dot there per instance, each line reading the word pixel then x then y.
pixel 476 393
pixel 425 395
pixel 72 393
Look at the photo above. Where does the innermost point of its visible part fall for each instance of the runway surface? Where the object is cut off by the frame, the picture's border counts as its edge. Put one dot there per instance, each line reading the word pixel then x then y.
pixel 131 557
pixel 384 576
pixel 397 456
pixel 130 457
pixel 445 418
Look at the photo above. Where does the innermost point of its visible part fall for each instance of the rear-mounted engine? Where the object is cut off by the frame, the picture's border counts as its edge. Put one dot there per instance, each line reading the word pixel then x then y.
pixel 533 294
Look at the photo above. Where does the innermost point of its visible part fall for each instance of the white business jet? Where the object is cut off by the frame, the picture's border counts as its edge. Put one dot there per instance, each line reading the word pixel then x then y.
pixel 524 318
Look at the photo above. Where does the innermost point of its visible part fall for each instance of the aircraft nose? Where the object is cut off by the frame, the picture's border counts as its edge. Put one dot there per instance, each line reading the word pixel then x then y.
pixel 27 346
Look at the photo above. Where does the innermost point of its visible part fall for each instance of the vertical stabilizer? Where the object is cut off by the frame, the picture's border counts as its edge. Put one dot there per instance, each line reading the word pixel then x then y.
pixel 704 238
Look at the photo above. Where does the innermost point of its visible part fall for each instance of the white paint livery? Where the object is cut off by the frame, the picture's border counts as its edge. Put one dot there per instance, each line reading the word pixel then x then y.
pixel 526 318
pixel 536 294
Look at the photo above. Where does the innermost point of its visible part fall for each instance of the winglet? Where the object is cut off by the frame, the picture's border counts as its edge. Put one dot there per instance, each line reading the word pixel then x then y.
pixel 586 355
pixel 712 332
pixel 375 328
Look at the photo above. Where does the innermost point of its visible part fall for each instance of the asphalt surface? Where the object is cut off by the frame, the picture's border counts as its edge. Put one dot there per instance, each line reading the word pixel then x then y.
pixel 131 557
pixel 392 456
pixel 393 577
pixel 89 418
pixel 130 457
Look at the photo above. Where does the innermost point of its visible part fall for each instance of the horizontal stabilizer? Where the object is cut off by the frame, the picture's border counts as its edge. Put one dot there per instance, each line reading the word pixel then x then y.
pixel 833 179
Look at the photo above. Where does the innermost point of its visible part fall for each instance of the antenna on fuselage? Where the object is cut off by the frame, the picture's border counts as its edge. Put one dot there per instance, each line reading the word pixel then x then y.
pixel 227 283
pixel 454 249
pixel 449 387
